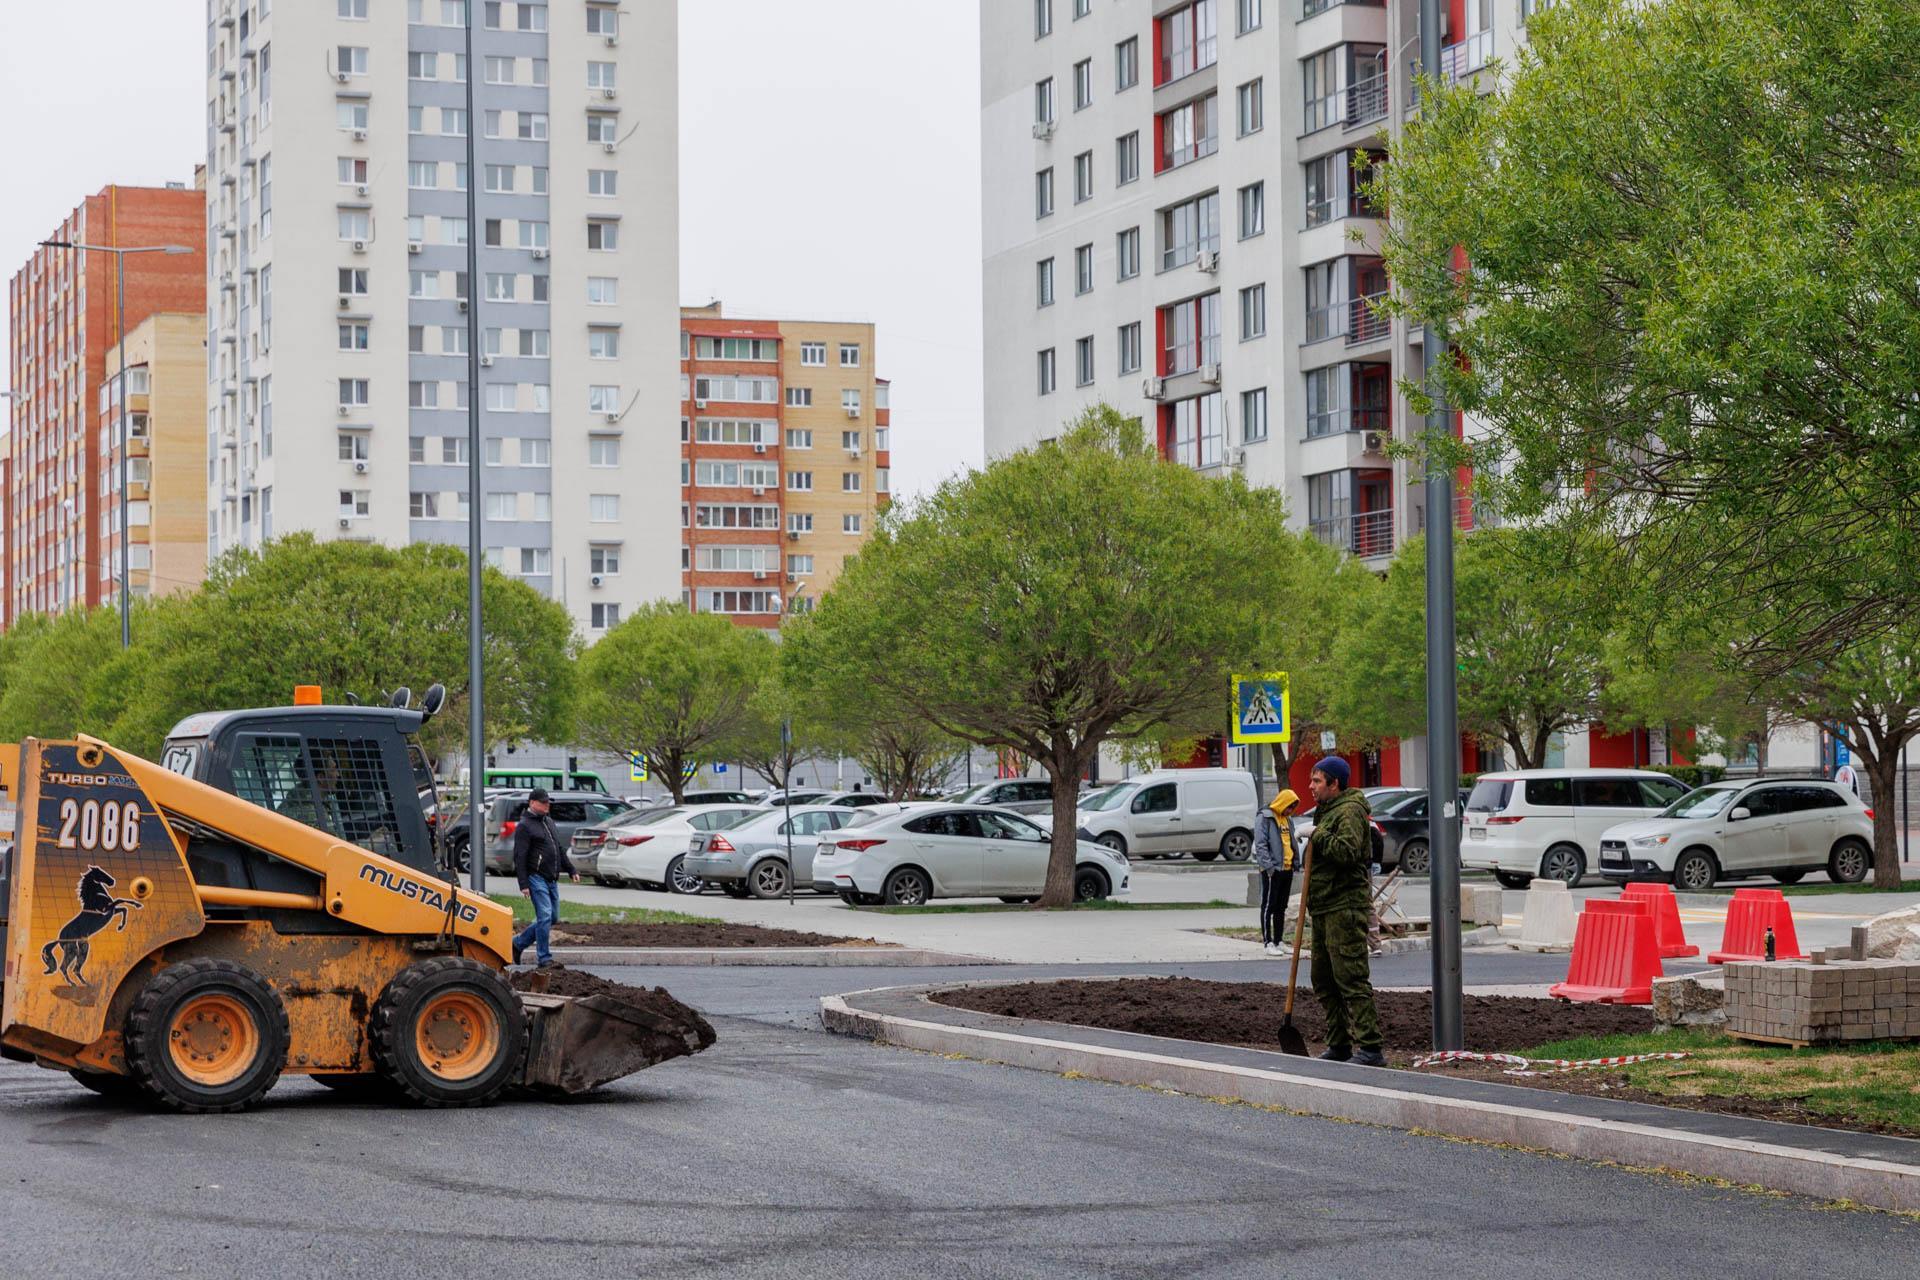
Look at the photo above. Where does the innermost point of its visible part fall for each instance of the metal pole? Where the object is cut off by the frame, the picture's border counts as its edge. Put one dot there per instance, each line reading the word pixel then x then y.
pixel 1443 728
pixel 476 635
pixel 126 566
pixel 786 798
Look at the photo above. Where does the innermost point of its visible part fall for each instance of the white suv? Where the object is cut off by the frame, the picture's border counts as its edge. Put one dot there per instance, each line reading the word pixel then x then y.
pixel 1548 822
pixel 1729 830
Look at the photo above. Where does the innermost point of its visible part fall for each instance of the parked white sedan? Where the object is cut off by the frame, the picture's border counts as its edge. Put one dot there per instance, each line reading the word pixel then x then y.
pixel 650 847
pixel 910 855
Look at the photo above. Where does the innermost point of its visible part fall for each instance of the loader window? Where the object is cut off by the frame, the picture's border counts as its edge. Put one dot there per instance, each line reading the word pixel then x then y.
pixel 357 804
pixel 271 771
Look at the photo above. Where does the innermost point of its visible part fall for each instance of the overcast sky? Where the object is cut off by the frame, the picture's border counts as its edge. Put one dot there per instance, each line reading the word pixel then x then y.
pixel 829 168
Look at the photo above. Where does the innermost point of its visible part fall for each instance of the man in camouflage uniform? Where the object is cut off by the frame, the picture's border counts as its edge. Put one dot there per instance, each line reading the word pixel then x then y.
pixel 1339 897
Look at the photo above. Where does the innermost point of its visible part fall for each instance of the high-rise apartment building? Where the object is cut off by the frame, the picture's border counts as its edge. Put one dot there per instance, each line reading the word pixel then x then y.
pixel 339 300
pixel 166 468
pixel 785 459
pixel 61 305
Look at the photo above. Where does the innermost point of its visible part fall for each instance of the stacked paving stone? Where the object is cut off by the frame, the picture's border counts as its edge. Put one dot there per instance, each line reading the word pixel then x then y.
pixel 1807 1002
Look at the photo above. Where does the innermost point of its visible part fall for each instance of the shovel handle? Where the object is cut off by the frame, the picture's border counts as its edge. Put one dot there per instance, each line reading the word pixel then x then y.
pixel 1299 926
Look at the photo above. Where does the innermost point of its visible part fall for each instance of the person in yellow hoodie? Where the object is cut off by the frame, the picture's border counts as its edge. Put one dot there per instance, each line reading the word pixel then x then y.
pixel 1273 853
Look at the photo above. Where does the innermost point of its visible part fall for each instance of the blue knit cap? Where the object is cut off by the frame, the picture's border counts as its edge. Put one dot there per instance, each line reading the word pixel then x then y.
pixel 1335 770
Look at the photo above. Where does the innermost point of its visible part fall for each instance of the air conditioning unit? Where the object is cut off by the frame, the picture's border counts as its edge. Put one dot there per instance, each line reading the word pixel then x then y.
pixel 341 76
pixel 486 362
pixel 852 412
pixel 362 188
pixel 609 147
pixel 539 255
pixel 346 522
pixel 359 246
pixel 613 419
pixel 853 453
pixel 607 94
pixel 360 467
pixel 413 246
pixel 793 577
pixel 345 302
pixel 758 491
pixel 344 409
pixel 1043 131
pixel 594 581
pixel 1236 457
pixel 359 135
pixel 1208 261
pixel 759 575
pixel 793 535
pixel 463 304
pixel 1153 388
pixel 699 404
pixel 612 41
pixel 1210 373
pixel 760 448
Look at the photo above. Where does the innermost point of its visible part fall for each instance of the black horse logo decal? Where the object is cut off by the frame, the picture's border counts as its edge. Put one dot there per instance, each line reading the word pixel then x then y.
pixel 98 909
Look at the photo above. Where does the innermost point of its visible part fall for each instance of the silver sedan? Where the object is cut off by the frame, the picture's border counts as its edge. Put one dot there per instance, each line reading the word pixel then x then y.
pixel 750 859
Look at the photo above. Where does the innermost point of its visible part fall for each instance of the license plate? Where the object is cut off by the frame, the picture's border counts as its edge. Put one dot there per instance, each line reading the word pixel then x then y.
pixel 1476 833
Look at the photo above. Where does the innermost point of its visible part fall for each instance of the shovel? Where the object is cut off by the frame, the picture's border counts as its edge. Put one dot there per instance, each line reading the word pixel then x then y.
pixel 1291 1041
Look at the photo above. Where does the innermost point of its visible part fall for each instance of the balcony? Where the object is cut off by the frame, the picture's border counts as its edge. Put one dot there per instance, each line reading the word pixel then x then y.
pixel 1465 57
pixel 1366 101
pixel 1313 8
pixel 1367 323
pixel 1367 536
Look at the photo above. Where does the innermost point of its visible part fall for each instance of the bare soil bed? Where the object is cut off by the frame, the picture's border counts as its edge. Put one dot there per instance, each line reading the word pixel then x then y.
pixel 1248 1013
pixel 631 933
pixel 558 980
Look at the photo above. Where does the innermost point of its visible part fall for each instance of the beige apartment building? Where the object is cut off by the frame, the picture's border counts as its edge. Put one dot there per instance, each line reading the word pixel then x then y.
pixel 165 385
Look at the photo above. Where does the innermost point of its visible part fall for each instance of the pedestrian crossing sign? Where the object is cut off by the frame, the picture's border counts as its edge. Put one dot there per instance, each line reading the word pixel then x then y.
pixel 1261 711
pixel 636 769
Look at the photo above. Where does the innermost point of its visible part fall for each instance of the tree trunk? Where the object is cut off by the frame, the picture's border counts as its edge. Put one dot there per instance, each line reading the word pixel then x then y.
pixel 1518 741
pixel 1883 767
pixel 674 767
pixel 1064 767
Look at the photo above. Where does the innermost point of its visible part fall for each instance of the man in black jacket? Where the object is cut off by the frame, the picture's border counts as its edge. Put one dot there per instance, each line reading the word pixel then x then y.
pixel 538 860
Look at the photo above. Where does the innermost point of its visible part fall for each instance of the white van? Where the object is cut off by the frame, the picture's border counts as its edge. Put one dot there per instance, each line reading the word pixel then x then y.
pixel 1547 822
pixel 1206 812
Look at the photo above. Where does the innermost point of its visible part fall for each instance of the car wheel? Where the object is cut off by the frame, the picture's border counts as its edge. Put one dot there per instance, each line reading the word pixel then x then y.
pixel 1513 879
pixel 1089 885
pixel 768 879
pixel 1236 846
pixel 908 887
pixel 1413 858
pixel 1694 871
pixel 1789 877
pixel 1849 862
pixel 1564 863
pixel 680 880
pixel 1208 856
pixel 1117 842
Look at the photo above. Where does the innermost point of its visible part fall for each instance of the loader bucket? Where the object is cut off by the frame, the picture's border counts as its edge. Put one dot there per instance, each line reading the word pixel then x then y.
pixel 578 1043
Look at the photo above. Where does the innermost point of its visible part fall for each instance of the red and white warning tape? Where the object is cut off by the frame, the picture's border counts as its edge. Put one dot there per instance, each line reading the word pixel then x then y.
pixel 1540 1066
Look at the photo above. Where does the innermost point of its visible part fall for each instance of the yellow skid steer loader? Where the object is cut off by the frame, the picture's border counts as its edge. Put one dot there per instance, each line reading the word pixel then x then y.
pixel 268 901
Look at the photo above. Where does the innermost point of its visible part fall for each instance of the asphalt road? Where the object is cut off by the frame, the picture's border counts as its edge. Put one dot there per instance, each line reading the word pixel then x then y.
pixel 786 1152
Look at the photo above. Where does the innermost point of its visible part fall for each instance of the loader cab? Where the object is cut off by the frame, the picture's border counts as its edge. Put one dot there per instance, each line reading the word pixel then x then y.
pixel 355 772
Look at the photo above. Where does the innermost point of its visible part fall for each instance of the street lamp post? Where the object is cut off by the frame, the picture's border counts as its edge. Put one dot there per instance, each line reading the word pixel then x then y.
pixel 120 327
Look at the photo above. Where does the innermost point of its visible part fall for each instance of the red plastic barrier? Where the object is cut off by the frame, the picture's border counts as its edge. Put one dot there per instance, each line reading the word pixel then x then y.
pixel 1749 916
pixel 1614 958
pixel 1668 938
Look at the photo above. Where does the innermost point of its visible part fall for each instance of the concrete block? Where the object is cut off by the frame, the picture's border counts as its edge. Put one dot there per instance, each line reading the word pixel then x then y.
pixel 1689 1000
pixel 1482 904
pixel 1547 922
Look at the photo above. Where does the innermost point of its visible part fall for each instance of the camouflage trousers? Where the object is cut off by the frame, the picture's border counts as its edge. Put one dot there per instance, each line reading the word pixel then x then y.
pixel 1343 980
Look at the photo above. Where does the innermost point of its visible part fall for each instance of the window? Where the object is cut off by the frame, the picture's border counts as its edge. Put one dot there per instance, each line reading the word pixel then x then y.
pixel 351 113
pixel 1192 330
pixel 353 446
pixel 1083 177
pixel 604 617
pixel 603 508
pixel 850 523
pixel 423 506
pixel 1083 362
pixel 813 353
pixel 800 522
pixel 1126 159
pixel 1043 101
pixel 1083 269
pixel 536 453
pixel 1253 312
pixel 1042 18
pixel 350 60
pixel 850 400
pixel 1188 230
pixel 355 224
pixel 1083 85
pixel 733 431
pixel 1126 252
pixel 453 122
pixel 1126 64
pixel 799 438
pixel 535 561
pixel 533 235
pixel 416 448
pixel 1326 300
pixel 603 182
pixel 603 127
pixel 1334 188
pixel 423 175
pixel 353 171
pixel 1251 97
pixel 499 178
pixel 602 291
pixel 1043 282
pixel 799 397
pixel 426 66
pixel 353 281
pixel 1189 132
pixel 533 343
pixel 603 399
pixel 850 441
pixel 1081 8
pixel 1043 193
pixel 423 395
pixel 603 237
pixel 603 20
pixel 1129 353
pixel 1253 415
pixel 354 503
pixel 799 564
pixel 353 9
pixel 603 344
pixel 1197 430
pixel 1249 16
pixel 502 397
pixel 1253 210
pixel 849 482
pixel 602 75
pixel 737 388
pixel 603 451
pixel 849 355
pixel 531 17
pixel 501 286
pixel 497 70
pixel 353 336
pixel 603 560
pixel 353 392
pixel 1046 372
pixel 1189 41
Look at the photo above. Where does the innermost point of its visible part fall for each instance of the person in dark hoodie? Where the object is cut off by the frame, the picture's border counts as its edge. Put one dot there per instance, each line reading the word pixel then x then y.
pixel 1273 853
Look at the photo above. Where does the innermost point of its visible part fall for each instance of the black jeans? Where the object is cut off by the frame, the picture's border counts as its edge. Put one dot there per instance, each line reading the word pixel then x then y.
pixel 1275 886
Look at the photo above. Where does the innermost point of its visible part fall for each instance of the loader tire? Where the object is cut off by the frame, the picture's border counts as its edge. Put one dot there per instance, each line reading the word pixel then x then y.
pixel 207 1036
pixel 449 1032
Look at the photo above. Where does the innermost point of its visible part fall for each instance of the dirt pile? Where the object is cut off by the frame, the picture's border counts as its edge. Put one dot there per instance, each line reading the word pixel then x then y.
pixel 633 933
pixel 558 980
pixel 1248 1013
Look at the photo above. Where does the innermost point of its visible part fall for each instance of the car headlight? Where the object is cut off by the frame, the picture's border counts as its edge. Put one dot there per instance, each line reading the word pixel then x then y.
pixel 1651 842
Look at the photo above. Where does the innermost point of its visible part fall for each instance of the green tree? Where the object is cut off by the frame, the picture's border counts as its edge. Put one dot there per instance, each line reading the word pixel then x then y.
pixel 1689 318
pixel 672 688
pixel 759 744
pixel 1063 596
pixel 1530 639
pixel 54 674
pixel 1310 634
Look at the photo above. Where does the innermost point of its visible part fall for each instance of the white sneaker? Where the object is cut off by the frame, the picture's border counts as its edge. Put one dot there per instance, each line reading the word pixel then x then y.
pixel 1273 948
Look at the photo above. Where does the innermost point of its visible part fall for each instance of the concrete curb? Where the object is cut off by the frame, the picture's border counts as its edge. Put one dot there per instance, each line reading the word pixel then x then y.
pixel 1368 1096
pixel 769 957
pixel 1485 936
